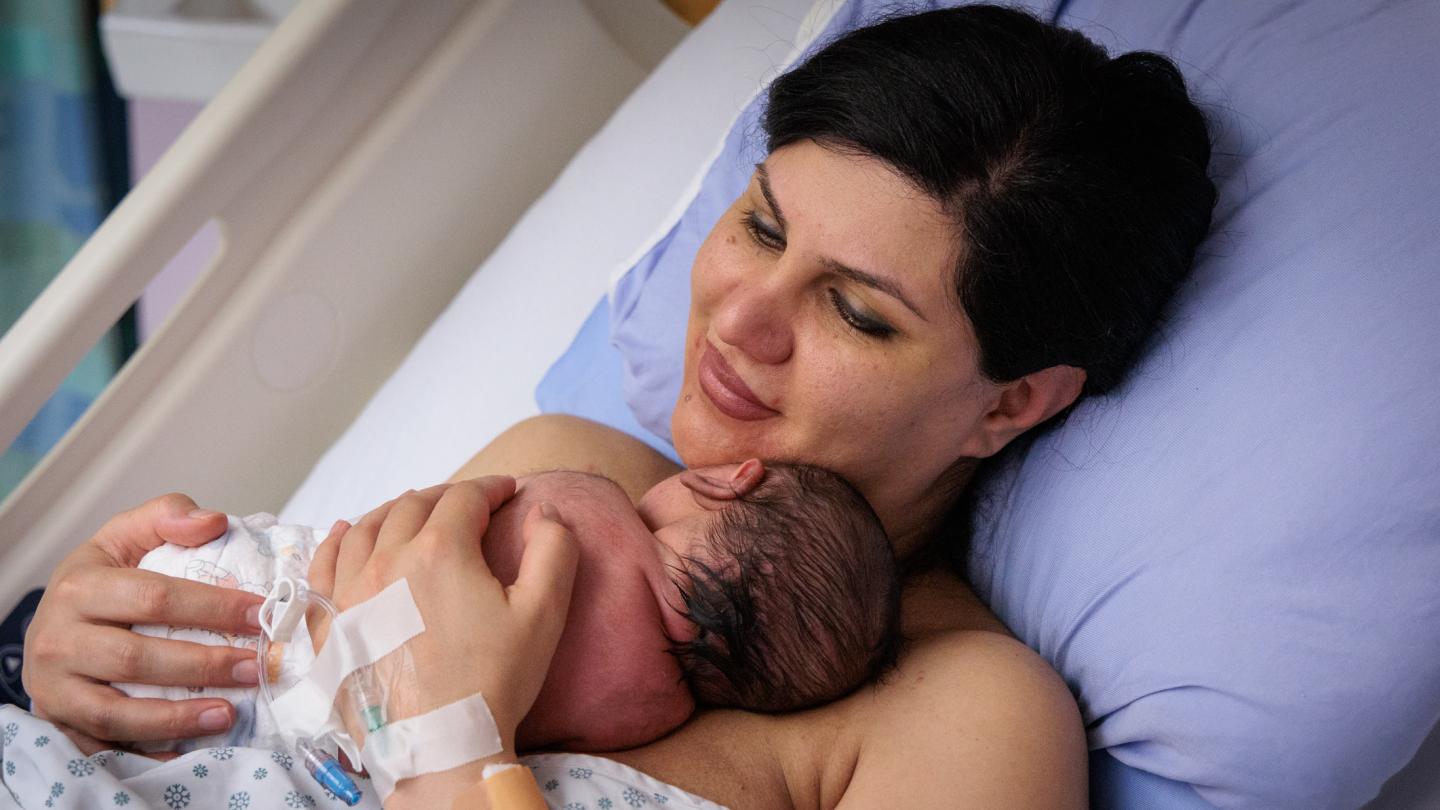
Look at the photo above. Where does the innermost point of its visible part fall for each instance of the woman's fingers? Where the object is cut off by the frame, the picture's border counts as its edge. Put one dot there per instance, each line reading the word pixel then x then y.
pixel 547 574
pixel 322 581
pixel 322 566
pixel 359 543
pixel 389 521
pixel 107 713
pixel 463 514
pixel 122 656
pixel 498 489
pixel 144 597
pixel 408 516
pixel 172 518
pixel 88 745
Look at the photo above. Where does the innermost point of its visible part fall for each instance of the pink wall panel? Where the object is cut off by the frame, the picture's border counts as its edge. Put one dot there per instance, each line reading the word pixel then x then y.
pixel 154 125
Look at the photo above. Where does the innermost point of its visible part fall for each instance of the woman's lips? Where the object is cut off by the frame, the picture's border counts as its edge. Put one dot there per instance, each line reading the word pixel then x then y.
pixel 729 393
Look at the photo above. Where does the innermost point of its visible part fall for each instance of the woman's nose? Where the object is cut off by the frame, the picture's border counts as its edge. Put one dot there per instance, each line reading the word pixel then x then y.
pixel 757 320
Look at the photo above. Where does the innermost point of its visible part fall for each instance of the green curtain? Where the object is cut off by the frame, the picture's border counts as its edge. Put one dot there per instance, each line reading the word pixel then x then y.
pixel 63 166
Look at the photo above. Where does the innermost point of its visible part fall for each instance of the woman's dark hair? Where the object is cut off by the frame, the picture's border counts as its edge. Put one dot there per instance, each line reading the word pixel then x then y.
pixel 1078 181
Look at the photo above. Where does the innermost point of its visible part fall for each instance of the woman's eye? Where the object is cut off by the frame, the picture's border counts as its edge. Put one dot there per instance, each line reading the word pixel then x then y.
pixel 764 235
pixel 859 320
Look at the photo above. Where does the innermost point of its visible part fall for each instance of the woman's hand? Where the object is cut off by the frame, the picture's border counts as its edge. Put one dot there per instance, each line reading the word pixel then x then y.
pixel 480 636
pixel 80 638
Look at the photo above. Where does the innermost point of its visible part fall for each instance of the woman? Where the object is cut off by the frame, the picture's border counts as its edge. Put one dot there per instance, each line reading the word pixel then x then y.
pixel 967 220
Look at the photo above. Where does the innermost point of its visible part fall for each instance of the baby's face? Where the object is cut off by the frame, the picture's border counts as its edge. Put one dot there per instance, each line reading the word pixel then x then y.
pixel 612 684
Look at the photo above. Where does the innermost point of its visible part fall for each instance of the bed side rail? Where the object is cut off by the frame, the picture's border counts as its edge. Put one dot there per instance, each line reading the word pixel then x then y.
pixel 358 168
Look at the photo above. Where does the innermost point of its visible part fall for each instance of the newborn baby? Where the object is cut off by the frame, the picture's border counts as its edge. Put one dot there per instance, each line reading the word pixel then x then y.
pixel 784 598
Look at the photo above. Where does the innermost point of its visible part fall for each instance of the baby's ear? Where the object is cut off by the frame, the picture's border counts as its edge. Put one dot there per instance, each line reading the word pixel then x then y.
pixel 717 490
pixel 747 477
pixel 711 493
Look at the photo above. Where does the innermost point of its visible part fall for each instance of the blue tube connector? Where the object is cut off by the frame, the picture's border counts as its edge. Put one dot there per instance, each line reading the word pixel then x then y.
pixel 327 771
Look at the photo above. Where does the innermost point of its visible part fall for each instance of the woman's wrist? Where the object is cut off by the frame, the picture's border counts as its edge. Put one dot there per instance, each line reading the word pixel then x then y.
pixel 439 789
pixel 442 788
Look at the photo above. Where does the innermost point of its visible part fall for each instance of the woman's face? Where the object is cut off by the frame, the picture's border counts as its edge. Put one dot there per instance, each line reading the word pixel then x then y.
pixel 824 328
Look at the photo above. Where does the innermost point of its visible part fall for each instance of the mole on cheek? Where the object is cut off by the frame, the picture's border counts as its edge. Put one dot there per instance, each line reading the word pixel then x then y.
pixel 730 240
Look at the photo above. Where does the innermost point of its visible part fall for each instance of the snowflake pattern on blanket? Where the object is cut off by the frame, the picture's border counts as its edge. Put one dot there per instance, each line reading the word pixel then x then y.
pixel 43 769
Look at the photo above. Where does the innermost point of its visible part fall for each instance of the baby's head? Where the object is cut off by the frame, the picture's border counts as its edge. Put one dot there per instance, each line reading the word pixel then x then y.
pixel 790 589
pixel 767 589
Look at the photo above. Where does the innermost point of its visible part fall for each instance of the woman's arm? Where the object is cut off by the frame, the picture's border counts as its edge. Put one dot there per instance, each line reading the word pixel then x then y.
pixel 971 719
pixel 560 442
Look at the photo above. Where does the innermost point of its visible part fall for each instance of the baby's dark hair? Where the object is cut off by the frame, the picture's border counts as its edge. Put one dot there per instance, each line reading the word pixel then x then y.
pixel 797 599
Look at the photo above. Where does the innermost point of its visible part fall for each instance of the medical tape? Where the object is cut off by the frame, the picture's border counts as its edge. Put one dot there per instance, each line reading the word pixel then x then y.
pixel 439 740
pixel 508 786
pixel 358 637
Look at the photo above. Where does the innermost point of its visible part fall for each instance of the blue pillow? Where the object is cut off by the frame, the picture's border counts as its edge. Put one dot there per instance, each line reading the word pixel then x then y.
pixel 585 382
pixel 1233 560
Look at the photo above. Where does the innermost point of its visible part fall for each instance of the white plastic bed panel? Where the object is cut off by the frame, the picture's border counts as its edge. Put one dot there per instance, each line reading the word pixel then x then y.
pixel 359 168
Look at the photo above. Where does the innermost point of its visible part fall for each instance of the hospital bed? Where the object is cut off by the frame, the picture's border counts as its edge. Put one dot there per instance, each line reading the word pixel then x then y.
pixel 358 170
pixel 339 242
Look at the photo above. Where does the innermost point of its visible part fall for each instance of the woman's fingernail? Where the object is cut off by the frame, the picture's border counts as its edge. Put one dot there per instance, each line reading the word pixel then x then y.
pixel 339 526
pixel 550 512
pixel 202 514
pixel 246 672
pixel 252 616
pixel 214 719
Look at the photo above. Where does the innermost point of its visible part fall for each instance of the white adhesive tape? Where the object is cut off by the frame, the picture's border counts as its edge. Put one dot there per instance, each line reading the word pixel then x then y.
pixel 358 637
pixel 445 738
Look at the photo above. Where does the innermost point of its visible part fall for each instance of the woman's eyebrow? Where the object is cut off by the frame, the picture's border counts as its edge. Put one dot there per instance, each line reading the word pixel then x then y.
pixel 763 174
pixel 870 280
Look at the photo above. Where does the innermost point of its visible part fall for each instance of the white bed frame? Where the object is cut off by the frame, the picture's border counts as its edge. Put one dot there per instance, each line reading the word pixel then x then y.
pixel 275 349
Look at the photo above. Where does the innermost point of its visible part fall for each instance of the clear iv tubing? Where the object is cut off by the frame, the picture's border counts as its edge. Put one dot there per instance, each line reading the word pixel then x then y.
pixel 324 768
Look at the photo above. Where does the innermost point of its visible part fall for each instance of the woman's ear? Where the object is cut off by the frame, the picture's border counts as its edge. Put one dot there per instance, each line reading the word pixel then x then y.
pixel 1025 403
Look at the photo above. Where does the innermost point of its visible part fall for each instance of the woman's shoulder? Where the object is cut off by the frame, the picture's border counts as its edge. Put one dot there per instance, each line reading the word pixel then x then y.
pixel 561 442
pixel 970 665
pixel 971 718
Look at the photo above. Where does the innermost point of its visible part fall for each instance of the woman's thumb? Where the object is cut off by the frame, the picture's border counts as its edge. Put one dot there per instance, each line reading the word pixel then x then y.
pixel 172 518
pixel 547 568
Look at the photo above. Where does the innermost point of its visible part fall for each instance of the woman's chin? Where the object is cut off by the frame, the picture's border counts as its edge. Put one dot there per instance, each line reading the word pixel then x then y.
pixel 703 436
pixel 688 433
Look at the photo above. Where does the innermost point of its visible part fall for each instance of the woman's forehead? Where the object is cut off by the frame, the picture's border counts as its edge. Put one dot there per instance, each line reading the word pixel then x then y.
pixel 855 211
pixel 827 188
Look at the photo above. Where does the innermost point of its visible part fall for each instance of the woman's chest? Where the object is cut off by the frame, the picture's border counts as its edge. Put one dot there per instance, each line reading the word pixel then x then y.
pixel 750 761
